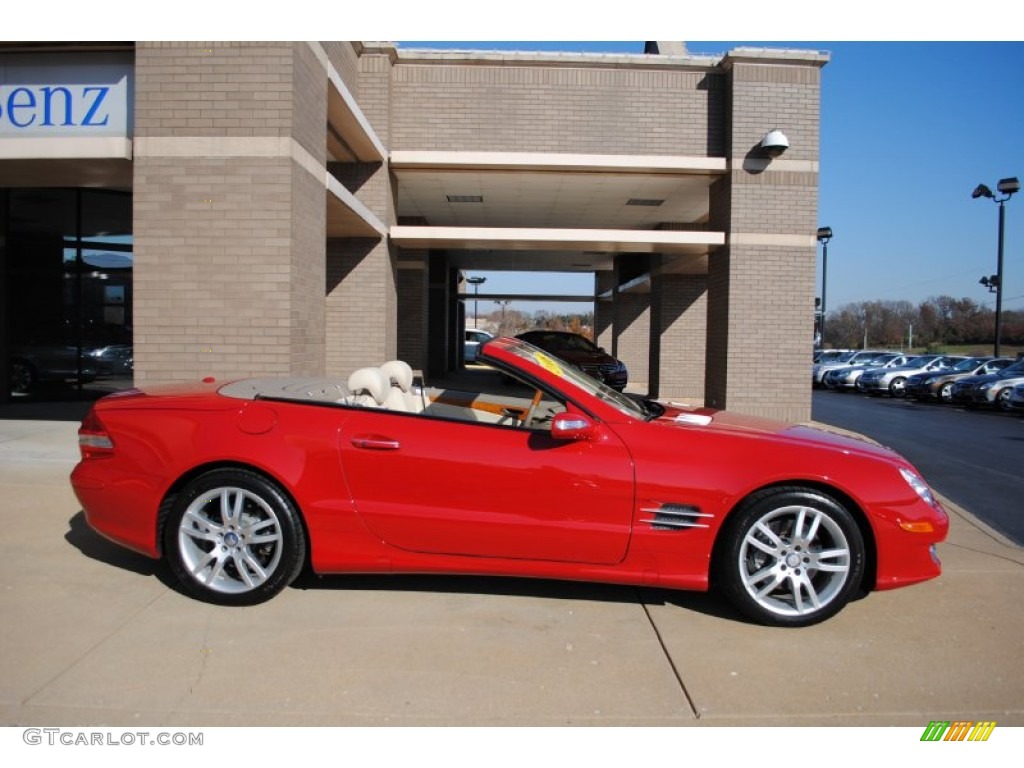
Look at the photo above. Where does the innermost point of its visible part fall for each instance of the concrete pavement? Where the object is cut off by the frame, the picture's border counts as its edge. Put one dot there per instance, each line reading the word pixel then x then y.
pixel 94 635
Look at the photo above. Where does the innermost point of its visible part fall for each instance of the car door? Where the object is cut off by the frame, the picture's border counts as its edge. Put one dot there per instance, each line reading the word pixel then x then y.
pixel 444 486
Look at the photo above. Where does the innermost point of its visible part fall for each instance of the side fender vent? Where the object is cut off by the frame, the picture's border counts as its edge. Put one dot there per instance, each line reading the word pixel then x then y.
pixel 676 517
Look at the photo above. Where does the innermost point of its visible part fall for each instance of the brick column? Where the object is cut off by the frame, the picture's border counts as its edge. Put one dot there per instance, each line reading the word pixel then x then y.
pixel 229 213
pixel 761 286
pixel 678 336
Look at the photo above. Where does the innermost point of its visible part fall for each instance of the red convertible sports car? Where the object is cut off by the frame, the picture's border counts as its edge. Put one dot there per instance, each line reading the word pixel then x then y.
pixel 240 485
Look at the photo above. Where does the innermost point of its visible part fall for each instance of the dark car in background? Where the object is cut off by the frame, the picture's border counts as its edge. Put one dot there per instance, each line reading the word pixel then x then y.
pixel 939 385
pixel 581 352
pixel 35 364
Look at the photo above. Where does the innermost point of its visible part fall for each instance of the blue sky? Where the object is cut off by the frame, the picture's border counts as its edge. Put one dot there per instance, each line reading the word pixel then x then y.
pixel 908 130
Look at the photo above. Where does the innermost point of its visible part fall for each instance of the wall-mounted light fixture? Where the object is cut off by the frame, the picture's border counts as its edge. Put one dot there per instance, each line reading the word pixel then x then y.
pixel 774 143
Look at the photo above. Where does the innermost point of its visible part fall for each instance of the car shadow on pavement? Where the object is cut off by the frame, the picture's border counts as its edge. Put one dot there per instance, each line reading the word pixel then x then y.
pixel 707 603
pixel 92 545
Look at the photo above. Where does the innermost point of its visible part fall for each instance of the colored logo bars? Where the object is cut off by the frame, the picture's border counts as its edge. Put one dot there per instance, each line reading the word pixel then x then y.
pixel 959 730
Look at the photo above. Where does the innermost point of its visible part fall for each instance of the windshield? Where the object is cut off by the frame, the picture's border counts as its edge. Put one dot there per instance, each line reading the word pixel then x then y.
pixel 568 372
pixel 919 362
pixel 559 342
pixel 969 364
pixel 1017 367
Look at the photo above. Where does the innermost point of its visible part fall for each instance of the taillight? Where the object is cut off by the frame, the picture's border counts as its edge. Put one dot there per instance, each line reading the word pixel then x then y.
pixel 93 440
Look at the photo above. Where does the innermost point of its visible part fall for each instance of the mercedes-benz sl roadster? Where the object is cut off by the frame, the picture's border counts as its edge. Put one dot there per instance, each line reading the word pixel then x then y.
pixel 240 485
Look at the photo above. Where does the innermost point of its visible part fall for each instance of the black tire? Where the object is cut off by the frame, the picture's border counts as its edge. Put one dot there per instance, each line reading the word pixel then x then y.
pixel 898 387
pixel 234 538
pixel 23 377
pixel 946 392
pixel 769 561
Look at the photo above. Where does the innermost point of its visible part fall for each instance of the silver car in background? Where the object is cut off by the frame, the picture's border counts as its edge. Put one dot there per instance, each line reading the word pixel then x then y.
pixel 841 379
pixel 893 381
pixel 818 370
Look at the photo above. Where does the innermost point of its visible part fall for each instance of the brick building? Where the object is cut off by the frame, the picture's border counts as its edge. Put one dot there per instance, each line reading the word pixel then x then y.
pixel 235 209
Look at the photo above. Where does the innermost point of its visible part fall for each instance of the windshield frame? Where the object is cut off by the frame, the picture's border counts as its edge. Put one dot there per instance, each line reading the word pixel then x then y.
pixel 569 373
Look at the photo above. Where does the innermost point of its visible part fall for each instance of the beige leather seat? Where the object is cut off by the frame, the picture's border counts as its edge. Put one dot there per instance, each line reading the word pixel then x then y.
pixel 369 387
pixel 402 396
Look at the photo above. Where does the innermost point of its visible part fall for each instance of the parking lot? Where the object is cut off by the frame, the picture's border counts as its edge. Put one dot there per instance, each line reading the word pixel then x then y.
pixel 972 456
pixel 95 635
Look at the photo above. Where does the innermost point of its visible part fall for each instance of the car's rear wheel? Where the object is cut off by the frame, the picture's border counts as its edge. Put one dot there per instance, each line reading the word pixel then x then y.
pixel 23 377
pixel 234 538
pixel 898 387
pixel 790 557
pixel 946 392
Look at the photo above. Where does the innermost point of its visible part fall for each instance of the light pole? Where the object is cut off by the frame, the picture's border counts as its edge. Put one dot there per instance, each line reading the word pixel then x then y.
pixel 475 282
pixel 824 235
pixel 1006 187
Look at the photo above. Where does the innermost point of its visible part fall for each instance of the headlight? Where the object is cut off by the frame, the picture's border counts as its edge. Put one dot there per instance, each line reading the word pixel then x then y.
pixel 986 387
pixel 920 486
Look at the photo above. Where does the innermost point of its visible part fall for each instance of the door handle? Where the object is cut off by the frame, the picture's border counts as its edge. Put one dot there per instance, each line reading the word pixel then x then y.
pixel 375 443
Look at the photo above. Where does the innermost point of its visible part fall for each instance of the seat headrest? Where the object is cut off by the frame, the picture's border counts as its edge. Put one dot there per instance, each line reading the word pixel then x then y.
pixel 399 373
pixel 372 381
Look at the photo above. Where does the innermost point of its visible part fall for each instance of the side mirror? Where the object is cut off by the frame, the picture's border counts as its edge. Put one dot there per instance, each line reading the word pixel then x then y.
pixel 571 426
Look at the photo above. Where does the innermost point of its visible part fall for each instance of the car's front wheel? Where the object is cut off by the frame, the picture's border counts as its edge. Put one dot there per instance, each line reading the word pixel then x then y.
pixel 790 557
pixel 946 392
pixel 234 538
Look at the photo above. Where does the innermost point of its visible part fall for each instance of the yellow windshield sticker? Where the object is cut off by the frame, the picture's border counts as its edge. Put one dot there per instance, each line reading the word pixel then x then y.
pixel 548 364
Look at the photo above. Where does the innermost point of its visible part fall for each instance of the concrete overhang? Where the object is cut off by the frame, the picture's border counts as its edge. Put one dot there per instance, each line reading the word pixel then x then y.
pixel 601 240
pixel 554 162
pixel 347 217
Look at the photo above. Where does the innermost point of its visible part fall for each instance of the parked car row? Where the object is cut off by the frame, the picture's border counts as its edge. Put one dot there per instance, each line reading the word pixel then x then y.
pixel 993 382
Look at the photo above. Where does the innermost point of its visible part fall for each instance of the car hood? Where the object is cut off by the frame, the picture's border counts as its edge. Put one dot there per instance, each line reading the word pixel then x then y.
pixel 757 428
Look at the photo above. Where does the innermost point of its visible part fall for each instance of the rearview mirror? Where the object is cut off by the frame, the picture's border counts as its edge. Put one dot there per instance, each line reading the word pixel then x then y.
pixel 571 426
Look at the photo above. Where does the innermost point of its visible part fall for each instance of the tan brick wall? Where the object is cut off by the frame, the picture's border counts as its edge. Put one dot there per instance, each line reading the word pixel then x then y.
pixel 532 108
pixel 345 60
pixel 679 335
pixel 212 267
pixel 413 289
pixel 631 334
pixel 359 275
pixel 213 89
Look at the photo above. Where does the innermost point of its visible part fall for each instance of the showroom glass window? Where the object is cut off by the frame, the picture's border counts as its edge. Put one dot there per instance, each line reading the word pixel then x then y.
pixel 68 291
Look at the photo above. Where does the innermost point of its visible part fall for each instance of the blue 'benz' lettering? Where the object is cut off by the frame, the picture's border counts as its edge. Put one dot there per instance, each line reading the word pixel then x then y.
pixel 101 94
pixel 48 94
pixel 12 105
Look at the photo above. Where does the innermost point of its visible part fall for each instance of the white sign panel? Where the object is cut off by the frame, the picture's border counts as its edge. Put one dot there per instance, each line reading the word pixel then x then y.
pixel 65 96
